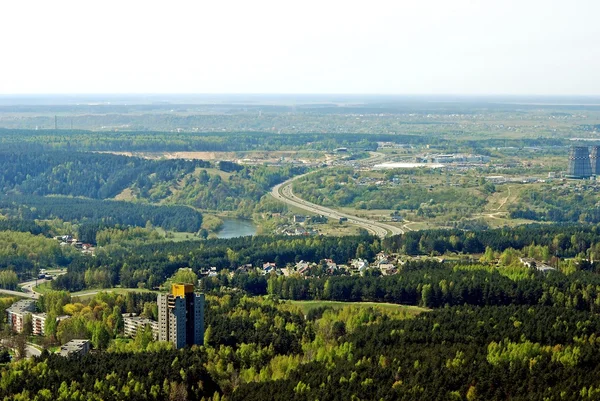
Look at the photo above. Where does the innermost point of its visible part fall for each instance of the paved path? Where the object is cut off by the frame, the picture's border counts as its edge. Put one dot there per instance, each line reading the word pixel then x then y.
pixel 31 295
pixel 284 193
pixel 30 349
pixel 28 289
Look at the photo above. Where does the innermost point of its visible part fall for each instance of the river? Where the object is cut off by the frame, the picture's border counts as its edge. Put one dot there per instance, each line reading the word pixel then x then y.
pixel 236 228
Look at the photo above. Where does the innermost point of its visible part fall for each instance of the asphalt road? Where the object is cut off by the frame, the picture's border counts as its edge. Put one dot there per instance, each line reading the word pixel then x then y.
pixel 31 295
pixel 27 287
pixel 30 350
pixel 283 192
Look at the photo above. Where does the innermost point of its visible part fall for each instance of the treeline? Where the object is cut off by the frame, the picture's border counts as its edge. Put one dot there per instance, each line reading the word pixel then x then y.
pixel 149 265
pixel 240 192
pixel 563 240
pixel 24 253
pixel 25 226
pixel 433 285
pixel 148 141
pixel 557 204
pixel 92 175
pixel 101 213
pixel 175 181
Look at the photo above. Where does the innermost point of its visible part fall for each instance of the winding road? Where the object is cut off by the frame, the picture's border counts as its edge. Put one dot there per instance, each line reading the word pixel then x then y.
pixel 283 192
pixel 27 288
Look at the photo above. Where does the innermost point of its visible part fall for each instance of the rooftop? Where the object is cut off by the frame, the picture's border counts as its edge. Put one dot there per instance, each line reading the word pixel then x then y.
pixel 73 346
pixel 22 306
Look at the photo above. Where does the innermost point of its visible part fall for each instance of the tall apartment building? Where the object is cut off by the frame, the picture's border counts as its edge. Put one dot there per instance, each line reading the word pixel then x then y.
pixel 181 316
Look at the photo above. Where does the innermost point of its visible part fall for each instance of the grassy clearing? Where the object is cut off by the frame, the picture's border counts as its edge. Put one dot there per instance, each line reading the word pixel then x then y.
pixel 85 294
pixel 177 236
pixel 43 288
pixel 306 306
pixel 336 229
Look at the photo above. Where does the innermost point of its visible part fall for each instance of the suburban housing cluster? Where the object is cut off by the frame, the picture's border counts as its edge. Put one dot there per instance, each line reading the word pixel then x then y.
pixel 68 240
pixel 383 264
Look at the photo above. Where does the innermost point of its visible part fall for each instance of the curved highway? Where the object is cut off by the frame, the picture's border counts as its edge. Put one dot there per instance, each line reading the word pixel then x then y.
pixel 27 287
pixel 283 192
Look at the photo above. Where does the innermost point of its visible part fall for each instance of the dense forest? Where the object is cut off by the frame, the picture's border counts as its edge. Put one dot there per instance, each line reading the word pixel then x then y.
pixel 558 204
pixel 192 141
pixel 239 190
pixel 224 186
pixel 265 349
pixel 100 212
pixel 92 175
pixel 562 240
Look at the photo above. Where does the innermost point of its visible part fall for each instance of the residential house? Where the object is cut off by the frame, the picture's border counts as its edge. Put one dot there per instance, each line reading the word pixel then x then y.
pixel 359 264
pixel 302 267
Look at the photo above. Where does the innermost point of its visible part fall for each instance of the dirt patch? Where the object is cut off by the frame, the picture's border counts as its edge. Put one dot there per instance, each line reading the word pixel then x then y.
pixel 125 195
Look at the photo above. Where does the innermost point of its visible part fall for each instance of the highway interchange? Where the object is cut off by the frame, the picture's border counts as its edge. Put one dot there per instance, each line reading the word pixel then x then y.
pixel 284 193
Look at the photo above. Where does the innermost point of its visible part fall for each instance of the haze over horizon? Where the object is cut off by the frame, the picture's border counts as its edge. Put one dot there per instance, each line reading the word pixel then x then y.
pixel 433 47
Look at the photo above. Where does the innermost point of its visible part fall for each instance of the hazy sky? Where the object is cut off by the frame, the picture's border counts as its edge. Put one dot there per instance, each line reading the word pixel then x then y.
pixel 284 46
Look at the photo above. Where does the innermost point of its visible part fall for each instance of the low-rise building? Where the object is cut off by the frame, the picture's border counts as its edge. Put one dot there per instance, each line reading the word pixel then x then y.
pixel 75 347
pixel 387 269
pixel 133 323
pixel 532 263
pixel 359 264
pixel 38 321
pixel 298 218
pixel 17 312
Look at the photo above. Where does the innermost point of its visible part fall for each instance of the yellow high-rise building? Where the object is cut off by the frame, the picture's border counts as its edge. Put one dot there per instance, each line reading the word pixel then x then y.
pixel 181 316
pixel 179 290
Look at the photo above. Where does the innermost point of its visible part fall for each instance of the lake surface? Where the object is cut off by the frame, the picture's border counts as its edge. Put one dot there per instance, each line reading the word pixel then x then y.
pixel 236 228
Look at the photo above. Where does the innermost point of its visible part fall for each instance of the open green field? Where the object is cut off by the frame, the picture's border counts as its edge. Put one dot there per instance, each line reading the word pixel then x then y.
pixel 43 288
pixel 90 293
pixel 306 306
pixel 177 236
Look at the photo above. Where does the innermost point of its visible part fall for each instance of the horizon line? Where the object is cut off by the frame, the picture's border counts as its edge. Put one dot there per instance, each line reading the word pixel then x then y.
pixel 289 94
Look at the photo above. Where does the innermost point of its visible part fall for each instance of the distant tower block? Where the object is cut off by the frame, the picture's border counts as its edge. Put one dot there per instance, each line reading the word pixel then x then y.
pixel 579 162
pixel 595 160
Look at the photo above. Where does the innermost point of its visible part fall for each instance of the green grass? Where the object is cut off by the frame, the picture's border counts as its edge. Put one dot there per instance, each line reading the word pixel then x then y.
pixel 89 293
pixel 306 306
pixel 177 236
pixel 43 288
